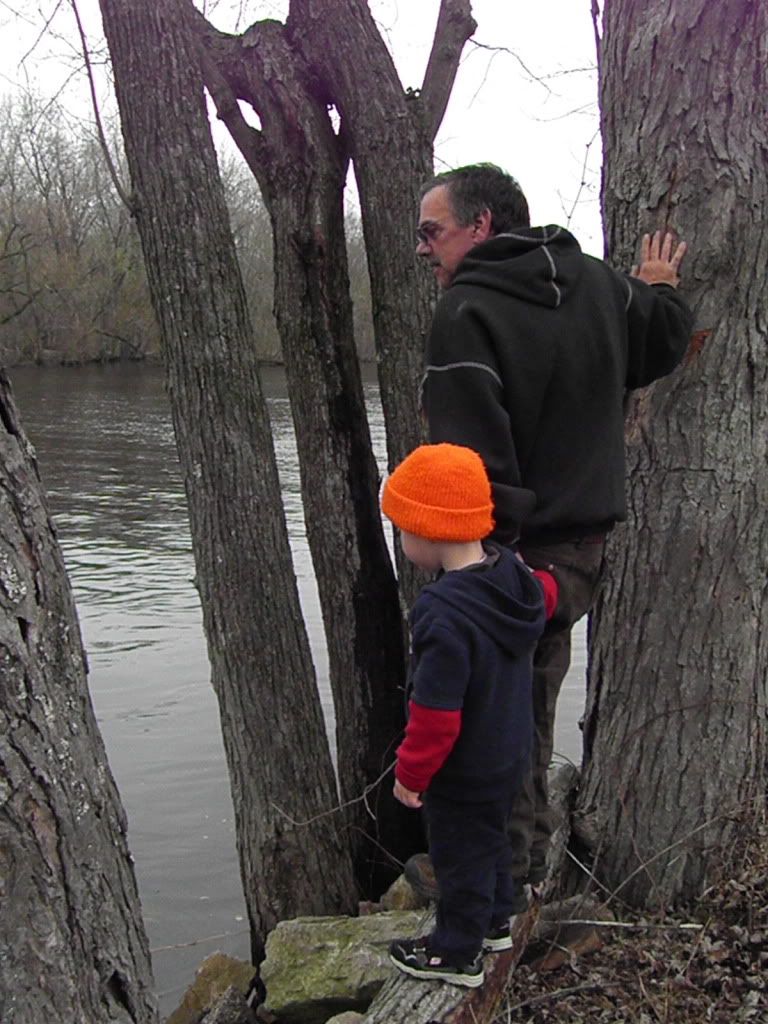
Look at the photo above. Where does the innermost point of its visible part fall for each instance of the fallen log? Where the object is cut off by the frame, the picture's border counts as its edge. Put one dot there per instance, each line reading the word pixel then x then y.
pixel 404 1000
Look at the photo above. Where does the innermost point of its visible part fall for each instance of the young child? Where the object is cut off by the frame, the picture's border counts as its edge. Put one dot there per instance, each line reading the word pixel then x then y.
pixel 469 733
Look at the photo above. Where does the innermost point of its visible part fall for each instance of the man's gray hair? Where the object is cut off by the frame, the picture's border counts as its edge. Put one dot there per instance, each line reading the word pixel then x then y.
pixel 479 187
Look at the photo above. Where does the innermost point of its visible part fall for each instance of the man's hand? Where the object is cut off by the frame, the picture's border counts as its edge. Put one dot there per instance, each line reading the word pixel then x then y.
pixel 658 264
pixel 406 796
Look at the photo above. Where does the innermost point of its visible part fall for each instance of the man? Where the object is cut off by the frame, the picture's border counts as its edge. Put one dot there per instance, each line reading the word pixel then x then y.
pixel 532 348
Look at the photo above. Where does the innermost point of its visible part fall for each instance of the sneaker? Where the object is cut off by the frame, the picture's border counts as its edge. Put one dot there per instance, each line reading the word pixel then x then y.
pixel 498 938
pixel 414 957
pixel 420 875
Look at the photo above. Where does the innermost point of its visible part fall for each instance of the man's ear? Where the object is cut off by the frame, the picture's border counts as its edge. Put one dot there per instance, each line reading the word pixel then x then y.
pixel 482 227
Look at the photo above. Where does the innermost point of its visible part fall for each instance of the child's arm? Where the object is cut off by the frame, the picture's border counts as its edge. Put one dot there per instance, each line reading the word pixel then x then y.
pixel 434 711
pixel 551 590
pixel 429 739
pixel 407 796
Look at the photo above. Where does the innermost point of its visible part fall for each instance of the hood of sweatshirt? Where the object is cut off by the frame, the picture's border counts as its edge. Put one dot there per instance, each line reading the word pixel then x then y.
pixel 538 265
pixel 502 598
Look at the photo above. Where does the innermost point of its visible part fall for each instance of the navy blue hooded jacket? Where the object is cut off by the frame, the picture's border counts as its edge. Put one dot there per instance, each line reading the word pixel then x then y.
pixel 473 632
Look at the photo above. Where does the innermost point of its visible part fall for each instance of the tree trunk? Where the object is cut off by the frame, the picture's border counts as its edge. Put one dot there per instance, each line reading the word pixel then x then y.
pixel 72 941
pixel 390 134
pixel 301 165
pixel 675 738
pixel 291 75
pixel 278 758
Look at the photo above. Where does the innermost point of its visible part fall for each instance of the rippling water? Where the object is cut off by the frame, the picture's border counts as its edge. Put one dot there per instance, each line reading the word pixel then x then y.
pixel 108 462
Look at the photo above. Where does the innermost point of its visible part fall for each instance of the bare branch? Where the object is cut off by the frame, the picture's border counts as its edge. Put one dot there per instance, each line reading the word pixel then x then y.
pixel 363 798
pixel 198 942
pixel 583 181
pixel 46 25
pixel 505 49
pixel 455 25
pixel 588 69
pixel 19 310
pixel 125 198
pixel 632 926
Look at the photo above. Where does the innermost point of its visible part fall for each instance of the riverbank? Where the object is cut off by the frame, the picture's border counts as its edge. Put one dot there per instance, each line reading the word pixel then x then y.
pixel 586 962
pixel 706 964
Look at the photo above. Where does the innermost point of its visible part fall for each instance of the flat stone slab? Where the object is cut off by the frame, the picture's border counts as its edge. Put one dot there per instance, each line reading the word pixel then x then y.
pixel 316 967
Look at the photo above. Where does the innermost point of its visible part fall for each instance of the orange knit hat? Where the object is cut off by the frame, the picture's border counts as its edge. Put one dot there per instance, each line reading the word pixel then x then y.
pixel 440 492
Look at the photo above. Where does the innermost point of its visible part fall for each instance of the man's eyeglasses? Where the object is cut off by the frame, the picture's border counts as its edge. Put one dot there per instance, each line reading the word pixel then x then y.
pixel 428 232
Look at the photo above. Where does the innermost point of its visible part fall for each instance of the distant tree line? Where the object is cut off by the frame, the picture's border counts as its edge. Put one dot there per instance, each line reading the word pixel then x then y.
pixel 72 280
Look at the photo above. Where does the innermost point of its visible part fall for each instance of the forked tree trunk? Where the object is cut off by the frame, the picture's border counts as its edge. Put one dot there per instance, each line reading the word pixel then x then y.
pixel 291 74
pixel 391 132
pixel 72 941
pixel 676 728
pixel 301 165
pixel 278 758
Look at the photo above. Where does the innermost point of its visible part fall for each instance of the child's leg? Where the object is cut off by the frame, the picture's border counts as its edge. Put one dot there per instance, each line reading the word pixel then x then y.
pixel 466 842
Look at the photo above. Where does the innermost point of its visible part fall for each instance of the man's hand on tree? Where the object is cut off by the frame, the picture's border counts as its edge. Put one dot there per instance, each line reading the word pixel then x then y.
pixel 658 263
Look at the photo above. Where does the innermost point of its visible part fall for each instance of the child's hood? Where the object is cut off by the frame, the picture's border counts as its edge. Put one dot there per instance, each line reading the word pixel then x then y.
pixel 504 600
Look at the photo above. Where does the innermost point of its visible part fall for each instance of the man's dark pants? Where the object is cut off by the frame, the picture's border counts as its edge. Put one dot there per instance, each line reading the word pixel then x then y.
pixel 576 565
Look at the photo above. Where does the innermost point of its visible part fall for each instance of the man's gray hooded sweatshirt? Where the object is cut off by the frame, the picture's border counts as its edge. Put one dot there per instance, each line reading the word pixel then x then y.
pixel 531 351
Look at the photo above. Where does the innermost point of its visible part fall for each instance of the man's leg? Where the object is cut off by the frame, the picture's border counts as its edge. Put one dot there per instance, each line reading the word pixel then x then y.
pixel 550 666
pixel 576 567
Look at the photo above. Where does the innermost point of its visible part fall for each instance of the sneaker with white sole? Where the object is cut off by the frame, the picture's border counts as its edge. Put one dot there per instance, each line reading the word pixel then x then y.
pixel 498 938
pixel 414 957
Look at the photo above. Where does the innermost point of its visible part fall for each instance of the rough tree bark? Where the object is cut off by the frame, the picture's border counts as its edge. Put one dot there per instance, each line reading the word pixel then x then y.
pixel 301 164
pixel 72 942
pixel 274 737
pixel 675 738
pixel 391 131
pixel 291 74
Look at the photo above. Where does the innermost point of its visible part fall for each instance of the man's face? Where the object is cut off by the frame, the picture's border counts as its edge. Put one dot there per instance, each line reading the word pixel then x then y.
pixel 442 240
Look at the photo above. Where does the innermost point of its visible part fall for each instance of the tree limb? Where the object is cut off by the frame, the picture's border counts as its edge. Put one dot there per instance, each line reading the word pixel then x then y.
pixel 455 25
pixel 125 198
pixel 217 52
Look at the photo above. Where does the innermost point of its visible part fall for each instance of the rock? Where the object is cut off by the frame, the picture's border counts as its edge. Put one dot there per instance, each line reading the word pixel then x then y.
pixel 316 967
pixel 231 1009
pixel 367 907
pixel 350 1017
pixel 214 976
pixel 563 783
pixel 400 896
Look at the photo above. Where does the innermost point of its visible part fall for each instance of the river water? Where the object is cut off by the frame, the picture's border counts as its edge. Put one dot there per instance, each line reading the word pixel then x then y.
pixel 107 457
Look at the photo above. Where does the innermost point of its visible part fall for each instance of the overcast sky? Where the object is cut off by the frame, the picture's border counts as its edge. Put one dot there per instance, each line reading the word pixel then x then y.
pixel 525 98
